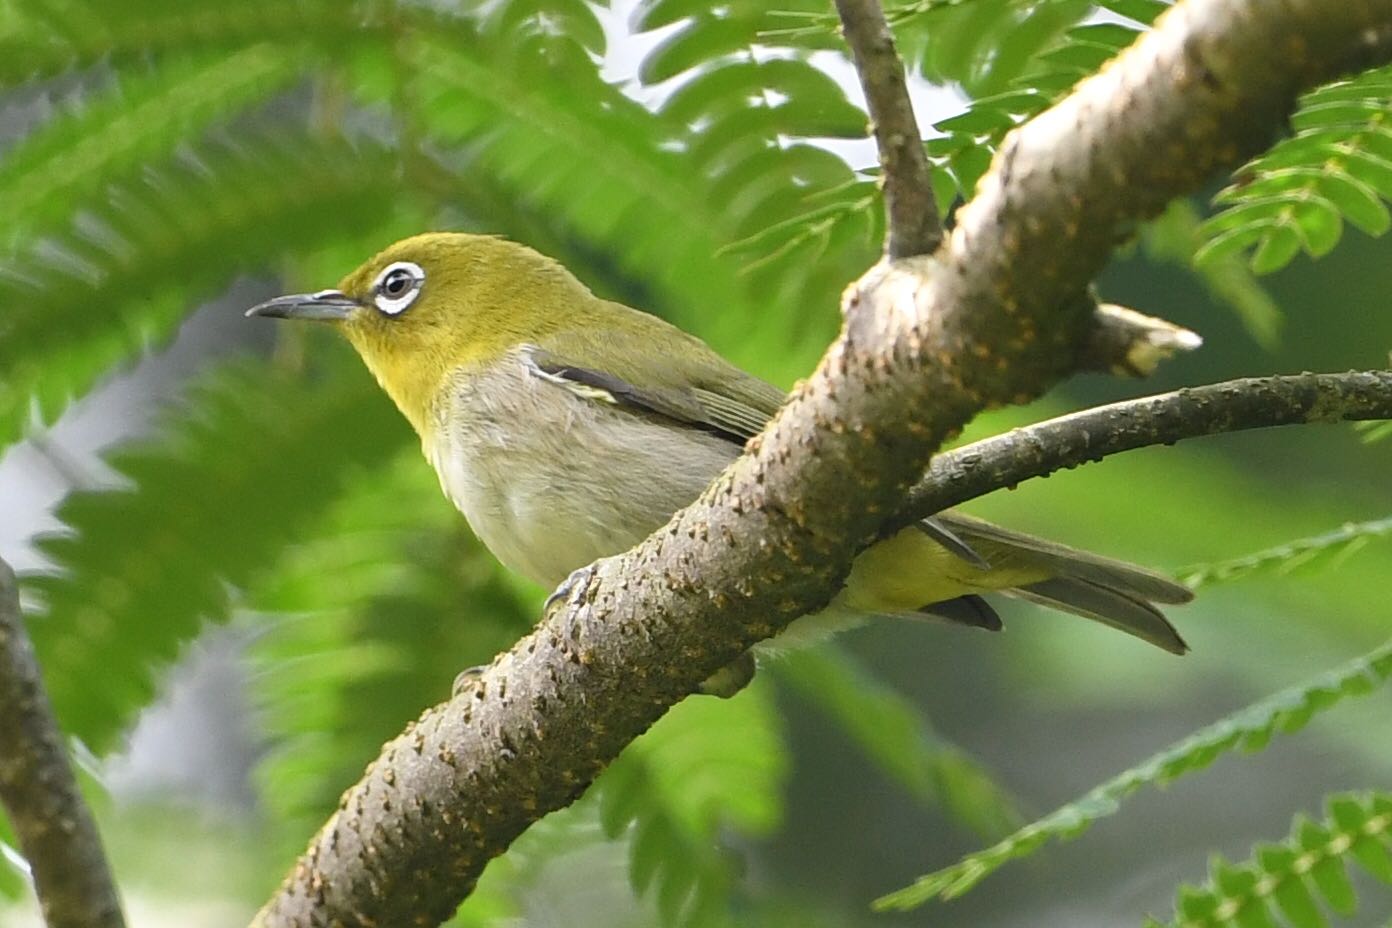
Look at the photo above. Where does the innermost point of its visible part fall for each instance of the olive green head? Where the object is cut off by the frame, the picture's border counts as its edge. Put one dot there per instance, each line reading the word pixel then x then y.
pixel 431 304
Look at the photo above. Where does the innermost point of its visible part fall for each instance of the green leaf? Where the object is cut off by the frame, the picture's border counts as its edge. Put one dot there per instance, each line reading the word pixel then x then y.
pixel 139 568
pixel 42 38
pixel 1279 244
pixel 1285 712
pixel 1322 550
pixel 95 294
pixel 896 738
pixel 1314 856
pixel 1296 195
pixel 1332 880
pixel 708 765
pixel 51 173
pixel 1176 237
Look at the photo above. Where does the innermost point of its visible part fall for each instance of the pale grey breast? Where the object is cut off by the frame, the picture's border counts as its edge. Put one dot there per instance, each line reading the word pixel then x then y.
pixel 551 480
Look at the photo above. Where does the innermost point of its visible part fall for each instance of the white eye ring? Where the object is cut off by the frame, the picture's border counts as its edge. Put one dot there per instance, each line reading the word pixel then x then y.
pixel 397 287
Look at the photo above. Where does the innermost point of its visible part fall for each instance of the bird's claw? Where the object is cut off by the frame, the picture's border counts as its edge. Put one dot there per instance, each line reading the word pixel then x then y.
pixel 578 580
pixel 465 679
pixel 730 679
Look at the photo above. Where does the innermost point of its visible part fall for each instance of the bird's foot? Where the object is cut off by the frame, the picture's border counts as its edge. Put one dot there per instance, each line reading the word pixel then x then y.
pixel 577 582
pixel 730 679
pixel 466 678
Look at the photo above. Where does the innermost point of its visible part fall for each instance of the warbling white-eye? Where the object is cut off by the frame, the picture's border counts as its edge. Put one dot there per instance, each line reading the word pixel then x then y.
pixel 567 428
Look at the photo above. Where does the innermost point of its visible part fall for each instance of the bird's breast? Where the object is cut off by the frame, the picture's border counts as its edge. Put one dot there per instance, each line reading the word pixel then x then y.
pixel 550 480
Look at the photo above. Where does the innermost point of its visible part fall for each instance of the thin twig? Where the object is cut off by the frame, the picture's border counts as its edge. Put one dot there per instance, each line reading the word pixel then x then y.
pixel 39 792
pixel 912 223
pixel 1038 450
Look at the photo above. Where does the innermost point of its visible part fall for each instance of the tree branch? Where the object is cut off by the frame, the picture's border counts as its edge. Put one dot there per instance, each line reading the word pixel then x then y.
pixel 38 790
pixel 995 316
pixel 1038 450
pixel 912 226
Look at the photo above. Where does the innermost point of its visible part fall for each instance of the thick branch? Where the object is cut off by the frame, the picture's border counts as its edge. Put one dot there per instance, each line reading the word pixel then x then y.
pixel 37 788
pixel 996 315
pixel 1082 437
pixel 911 214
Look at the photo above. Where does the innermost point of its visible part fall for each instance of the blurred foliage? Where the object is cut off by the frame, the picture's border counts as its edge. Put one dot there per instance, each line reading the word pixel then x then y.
pixel 1331 548
pixel 1249 730
pixel 893 732
pixel 158 554
pixel 178 144
pixel 1288 881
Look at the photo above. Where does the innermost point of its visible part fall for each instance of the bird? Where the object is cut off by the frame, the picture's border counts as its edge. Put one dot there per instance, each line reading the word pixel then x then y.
pixel 567 428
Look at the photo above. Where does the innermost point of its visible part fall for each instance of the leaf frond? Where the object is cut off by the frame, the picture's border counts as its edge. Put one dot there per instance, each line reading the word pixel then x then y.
pixel 93 295
pixel 707 765
pixel 364 624
pixel 894 735
pixel 1292 881
pixel 1336 168
pixel 41 39
pixel 1249 729
pixel 208 503
pixel 1326 549
pixel 54 170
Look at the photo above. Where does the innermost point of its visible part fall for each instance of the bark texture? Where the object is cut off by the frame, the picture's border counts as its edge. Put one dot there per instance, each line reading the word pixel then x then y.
pixel 997 315
pixel 40 794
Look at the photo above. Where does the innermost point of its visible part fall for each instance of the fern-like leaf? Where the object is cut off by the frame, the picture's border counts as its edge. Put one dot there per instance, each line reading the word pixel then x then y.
pixel 1249 730
pixel 895 736
pixel 559 139
pixel 44 38
pixel 143 252
pixel 1287 882
pixel 1045 64
pixel 738 115
pixel 1176 236
pixel 210 502
pixel 1331 547
pixel 1337 167
pixel 52 173
pixel 707 765
pixel 372 620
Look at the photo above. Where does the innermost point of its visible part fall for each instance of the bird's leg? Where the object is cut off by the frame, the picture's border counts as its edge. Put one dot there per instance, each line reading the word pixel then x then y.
pixel 730 679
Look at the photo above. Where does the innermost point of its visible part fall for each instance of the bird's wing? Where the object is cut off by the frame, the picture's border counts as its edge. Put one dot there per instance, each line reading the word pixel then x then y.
pixel 731 404
pixel 734 406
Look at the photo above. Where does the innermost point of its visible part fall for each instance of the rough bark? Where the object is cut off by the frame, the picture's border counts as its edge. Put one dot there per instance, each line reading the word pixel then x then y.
pixel 38 790
pixel 997 315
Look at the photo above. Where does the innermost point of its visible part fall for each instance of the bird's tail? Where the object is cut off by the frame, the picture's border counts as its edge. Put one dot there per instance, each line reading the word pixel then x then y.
pixel 1112 592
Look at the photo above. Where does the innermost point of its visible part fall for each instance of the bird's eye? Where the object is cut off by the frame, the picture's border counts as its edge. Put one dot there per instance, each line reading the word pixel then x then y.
pixel 397 287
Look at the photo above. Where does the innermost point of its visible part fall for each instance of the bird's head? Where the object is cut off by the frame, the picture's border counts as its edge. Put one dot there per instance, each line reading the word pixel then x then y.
pixel 432 304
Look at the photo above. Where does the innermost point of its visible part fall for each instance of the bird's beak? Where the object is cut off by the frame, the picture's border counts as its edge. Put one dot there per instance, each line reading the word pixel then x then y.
pixel 324 306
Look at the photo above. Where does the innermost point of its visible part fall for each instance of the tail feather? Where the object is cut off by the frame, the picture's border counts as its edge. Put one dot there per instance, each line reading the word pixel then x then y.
pixel 1128 580
pixel 1120 609
pixel 1112 592
pixel 966 610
